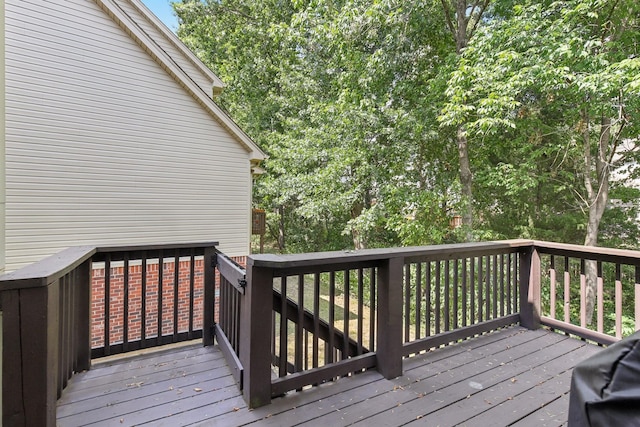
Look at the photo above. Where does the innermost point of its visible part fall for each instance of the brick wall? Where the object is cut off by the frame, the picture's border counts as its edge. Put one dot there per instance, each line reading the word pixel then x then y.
pixel 135 300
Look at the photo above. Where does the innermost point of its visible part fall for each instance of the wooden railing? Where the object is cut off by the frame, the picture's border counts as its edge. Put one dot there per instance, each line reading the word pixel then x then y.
pixel 155 296
pixel 450 295
pixel 345 312
pixel 45 339
pixel 561 291
pixel 227 331
pixel 48 310
pixel 288 322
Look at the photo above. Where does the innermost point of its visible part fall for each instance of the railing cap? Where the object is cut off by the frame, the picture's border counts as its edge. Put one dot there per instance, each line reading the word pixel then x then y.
pixel 157 246
pixel 351 256
pixel 49 269
pixel 46 271
pixel 597 253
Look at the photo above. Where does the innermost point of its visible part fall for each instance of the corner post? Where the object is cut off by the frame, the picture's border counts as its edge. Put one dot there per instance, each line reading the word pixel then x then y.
pixel 389 334
pixel 208 321
pixel 530 288
pixel 30 355
pixel 255 335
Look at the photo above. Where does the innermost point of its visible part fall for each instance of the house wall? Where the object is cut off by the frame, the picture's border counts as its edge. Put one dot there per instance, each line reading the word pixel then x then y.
pixel 2 190
pixel 104 147
pixel 2 145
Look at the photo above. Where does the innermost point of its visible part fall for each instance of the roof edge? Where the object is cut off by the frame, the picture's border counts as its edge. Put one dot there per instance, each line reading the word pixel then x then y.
pixel 176 42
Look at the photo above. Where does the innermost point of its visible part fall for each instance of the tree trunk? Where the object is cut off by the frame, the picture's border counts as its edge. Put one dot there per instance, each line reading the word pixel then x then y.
pixel 459 14
pixel 597 197
pixel 281 240
pixel 458 23
pixel 462 21
pixel 466 181
pixel 359 240
pixel 466 177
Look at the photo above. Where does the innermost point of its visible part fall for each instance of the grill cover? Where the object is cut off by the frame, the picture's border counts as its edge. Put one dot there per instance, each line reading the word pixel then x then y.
pixel 605 388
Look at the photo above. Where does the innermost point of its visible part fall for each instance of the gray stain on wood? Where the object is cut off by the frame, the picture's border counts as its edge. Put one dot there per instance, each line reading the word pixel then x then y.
pixel 524 376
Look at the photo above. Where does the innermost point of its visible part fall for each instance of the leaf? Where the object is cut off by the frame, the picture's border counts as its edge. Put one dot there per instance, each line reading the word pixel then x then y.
pixel 138 384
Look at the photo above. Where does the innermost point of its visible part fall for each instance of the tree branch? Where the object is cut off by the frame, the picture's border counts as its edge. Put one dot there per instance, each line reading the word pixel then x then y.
pixel 587 155
pixel 483 8
pixel 603 36
pixel 236 12
pixel 447 15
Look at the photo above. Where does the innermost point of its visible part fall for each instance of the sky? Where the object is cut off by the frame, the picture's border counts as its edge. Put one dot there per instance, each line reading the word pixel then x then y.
pixel 163 10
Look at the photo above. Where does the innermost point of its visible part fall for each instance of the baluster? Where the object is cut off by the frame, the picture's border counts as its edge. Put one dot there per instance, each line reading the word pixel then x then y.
pixel 447 295
pixel 407 301
pixel 618 302
pixel 552 287
pixel 360 310
pixel 464 292
pixel 316 319
pixel 345 332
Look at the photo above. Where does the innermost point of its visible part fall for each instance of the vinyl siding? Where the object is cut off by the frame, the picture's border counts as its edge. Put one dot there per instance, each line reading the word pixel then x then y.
pixel 104 147
pixel 2 156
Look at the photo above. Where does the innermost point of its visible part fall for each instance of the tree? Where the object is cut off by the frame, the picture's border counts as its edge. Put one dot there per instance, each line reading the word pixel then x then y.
pixel 573 63
pixel 463 18
pixel 338 94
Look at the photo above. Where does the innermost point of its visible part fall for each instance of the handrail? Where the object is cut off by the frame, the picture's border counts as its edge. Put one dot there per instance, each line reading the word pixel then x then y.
pixel 157 246
pixel 625 256
pixel 51 268
pixel 46 271
pixel 289 262
pixel 232 272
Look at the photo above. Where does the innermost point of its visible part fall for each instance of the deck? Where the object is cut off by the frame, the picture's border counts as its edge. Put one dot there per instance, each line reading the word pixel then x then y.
pixel 512 376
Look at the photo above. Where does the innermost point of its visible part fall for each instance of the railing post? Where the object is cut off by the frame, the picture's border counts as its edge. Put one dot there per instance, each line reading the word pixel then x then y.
pixel 530 288
pixel 30 352
pixel 208 321
pixel 389 333
pixel 83 313
pixel 255 335
pixel 1 355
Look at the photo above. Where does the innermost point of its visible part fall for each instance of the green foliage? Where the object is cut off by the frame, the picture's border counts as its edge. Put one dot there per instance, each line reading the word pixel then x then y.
pixel 533 83
pixel 337 94
pixel 619 228
pixel 357 104
pixel 628 325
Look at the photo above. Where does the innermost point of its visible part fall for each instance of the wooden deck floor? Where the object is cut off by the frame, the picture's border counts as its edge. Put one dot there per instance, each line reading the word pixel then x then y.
pixel 509 377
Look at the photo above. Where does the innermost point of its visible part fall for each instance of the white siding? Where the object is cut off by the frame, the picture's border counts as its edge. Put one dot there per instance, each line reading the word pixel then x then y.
pixel 2 156
pixel 2 180
pixel 104 147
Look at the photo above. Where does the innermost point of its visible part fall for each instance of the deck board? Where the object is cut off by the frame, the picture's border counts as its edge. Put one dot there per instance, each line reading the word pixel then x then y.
pixel 509 384
pixel 552 415
pixel 511 376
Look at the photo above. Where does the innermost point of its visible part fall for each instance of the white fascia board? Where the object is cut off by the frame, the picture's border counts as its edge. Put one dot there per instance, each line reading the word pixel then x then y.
pixel 216 82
